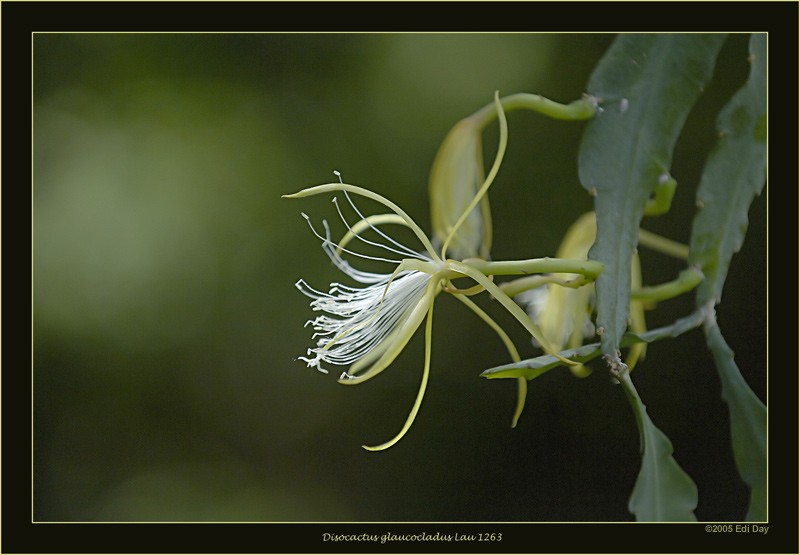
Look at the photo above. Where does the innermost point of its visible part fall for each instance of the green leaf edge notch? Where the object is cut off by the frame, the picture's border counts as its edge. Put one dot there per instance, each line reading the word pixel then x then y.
pixel 647 85
pixel 734 175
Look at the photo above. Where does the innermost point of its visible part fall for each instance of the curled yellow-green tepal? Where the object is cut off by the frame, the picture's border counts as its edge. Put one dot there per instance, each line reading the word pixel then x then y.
pixel 456 176
pixel 460 214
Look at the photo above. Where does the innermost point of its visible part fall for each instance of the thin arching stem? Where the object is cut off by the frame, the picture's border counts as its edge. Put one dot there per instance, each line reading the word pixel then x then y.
pixel 663 245
pixel 685 282
pixel 582 109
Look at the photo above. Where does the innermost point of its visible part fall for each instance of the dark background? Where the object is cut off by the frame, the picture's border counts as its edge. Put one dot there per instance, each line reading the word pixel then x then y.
pixel 166 322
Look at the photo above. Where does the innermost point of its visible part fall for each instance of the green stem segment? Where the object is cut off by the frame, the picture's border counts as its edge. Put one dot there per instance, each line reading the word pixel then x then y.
pixel 582 109
pixel 661 201
pixel 508 304
pixel 587 268
pixel 515 287
pixel 663 245
pixel 685 282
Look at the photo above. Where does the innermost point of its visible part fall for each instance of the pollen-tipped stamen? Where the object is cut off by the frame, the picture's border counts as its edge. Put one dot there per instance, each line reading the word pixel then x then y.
pixel 329 187
pixel 327 241
pixel 408 251
pixel 353 233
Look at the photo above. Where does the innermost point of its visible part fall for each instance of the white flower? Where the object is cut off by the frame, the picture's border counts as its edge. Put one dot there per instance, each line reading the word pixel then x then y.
pixel 366 327
pixel 358 325
pixel 563 311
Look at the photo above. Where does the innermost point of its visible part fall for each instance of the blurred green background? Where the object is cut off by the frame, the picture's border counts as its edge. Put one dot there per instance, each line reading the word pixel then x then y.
pixel 166 323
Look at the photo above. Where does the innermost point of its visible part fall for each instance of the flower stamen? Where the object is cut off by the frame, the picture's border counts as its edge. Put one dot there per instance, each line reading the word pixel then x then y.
pixel 406 250
pixel 327 241
pixel 352 233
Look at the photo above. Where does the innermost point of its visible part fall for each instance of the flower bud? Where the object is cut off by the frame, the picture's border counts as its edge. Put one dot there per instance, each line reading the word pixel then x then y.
pixel 455 178
pixel 564 314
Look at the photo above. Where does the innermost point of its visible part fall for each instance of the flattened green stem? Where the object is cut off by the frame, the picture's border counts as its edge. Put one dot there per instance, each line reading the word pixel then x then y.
pixel 522 383
pixel 509 305
pixel 663 245
pixel 501 149
pixel 662 197
pixel 420 394
pixel 535 367
pixel 332 187
pixel 582 109
pixel 633 397
pixel 685 282
pixel 587 268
